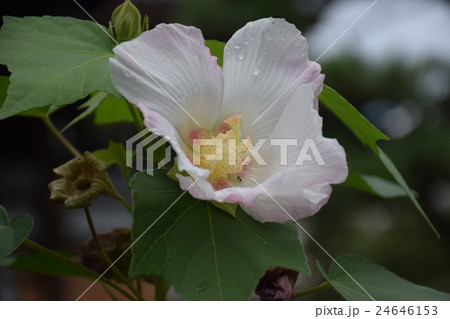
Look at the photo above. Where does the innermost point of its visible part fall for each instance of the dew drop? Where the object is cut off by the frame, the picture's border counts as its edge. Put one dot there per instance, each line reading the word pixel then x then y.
pixel 241 56
pixel 256 71
pixel 236 47
pixel 246 42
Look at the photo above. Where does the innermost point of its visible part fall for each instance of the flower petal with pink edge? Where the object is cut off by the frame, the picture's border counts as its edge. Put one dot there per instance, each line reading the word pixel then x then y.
pixel 277 193
pixel 170 70
pixel 159 125
pixel 262 61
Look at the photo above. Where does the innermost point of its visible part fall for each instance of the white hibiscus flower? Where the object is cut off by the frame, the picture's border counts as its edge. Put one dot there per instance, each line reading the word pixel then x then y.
pixel 267 90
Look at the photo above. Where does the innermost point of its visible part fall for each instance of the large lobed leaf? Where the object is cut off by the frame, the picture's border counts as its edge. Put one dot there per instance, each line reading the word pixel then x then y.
pixel 377 281
pixel 367 134
pixel 53 60
pixel 203 251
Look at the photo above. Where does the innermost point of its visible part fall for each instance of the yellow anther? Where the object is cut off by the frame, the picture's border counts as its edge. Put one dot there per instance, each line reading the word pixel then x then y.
pixel 228 161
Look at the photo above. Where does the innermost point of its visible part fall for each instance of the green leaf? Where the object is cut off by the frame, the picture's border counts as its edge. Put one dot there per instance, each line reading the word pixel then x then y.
pixel 45 264
pixel 216 48
pixel 90 106
pixel 3 216
pixel 367 134
pixel 21 226
pixel 377 281
pixel 398 177
pixel 4 83
pixel 53 60
pixel 34 112
pixel 112 110
pixel 374 185
pixel 12 234
pixel 230 208
pixel 6 234
pixel 6 241
pixel 114 155
pixel 204 252
pixel 40 111
pixel 350 116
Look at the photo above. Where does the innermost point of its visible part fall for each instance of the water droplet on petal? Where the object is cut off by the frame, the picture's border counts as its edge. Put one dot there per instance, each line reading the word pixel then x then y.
pixel 202 287
pixel 256 71
pixel 241 56
pixel 236 47
pixel 246 42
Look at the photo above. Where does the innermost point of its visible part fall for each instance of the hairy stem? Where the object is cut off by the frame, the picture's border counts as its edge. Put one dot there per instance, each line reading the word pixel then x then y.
pixel 136 116
pixel 110 293
pixel 49 124
pixel 126 204
pixel 106 259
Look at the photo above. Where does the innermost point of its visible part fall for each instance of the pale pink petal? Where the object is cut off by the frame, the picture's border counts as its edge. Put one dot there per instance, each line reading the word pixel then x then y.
pixel 277 193
pixel 262 61
pixel 169 70
pixel 301 190
pixel 159 125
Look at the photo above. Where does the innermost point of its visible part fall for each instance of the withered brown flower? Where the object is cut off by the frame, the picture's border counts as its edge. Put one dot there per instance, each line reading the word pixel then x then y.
pixel 82 179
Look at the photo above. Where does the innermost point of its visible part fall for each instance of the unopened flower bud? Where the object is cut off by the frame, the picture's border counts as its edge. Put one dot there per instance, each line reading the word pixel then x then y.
pixel 126 22
pixel 82 179
pixel 114 244
pixel 277 284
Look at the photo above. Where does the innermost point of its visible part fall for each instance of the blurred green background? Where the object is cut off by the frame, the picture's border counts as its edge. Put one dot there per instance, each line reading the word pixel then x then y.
pixel 393 65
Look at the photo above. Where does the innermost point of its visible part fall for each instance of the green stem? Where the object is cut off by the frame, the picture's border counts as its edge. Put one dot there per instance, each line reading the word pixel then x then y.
pixel 106 259
pixel 322 286
pixel 48 123
pixel 87 271
pixel 125 204
pixel 139 285
pixel 110 293
pixel 161 288
pixel 136 117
